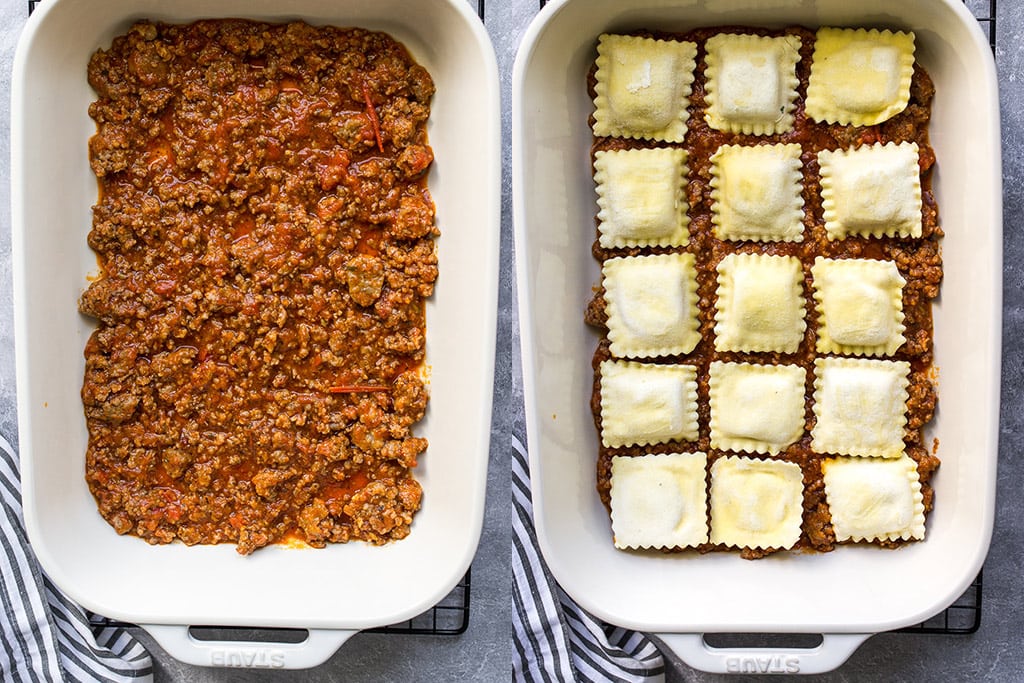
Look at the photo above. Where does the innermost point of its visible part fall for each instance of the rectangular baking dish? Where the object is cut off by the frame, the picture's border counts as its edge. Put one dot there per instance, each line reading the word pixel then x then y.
pixel 846 594
pixel 334 591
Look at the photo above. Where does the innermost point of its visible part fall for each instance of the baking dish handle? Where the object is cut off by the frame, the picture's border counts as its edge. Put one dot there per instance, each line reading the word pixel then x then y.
pixel 835 648
pixel 316 649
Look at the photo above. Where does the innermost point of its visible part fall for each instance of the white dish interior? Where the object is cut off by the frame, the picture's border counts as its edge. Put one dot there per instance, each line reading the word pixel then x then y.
pixel 351 586
pixel 854 589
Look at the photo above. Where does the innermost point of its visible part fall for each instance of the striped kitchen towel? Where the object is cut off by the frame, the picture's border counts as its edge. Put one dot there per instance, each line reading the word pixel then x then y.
pixel 46 637
pixel 554 639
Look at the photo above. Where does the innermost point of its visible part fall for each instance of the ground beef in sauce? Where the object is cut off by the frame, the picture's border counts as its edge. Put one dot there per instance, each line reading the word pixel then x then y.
pixel 919 261
pixel 266 243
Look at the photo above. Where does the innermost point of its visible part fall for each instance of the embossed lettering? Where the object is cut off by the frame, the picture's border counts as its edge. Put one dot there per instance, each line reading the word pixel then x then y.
pixel 250 659
pixel 778 664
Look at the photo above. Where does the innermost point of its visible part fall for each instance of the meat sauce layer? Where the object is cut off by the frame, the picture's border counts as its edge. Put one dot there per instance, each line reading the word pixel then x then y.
pixel 266 244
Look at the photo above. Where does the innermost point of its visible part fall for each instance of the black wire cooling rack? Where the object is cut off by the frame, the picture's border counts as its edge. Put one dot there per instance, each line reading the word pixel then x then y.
pixel 984 11
pixel 450 617
pixel 961 618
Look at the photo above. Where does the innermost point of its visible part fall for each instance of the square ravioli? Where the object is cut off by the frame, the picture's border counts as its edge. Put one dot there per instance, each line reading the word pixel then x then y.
pixel 860 306
pixel 756 503
pixel 644 404
pixel 756 408
pixel 760 304
pixel 756 193
pixel 861 406
pixel 872 191
pixel 643 87
pixel 641 197
pixel 811 240
pixel 659 501
pixel 860 77
pixel 874 499
pixel 751 83
pixel 651 305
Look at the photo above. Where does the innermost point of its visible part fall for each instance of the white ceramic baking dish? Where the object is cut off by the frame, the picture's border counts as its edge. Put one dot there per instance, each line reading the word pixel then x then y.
pixel 343 588
pixel 850 593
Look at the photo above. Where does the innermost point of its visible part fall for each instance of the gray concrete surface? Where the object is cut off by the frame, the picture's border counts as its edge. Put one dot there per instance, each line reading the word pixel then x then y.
pixel 483 653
